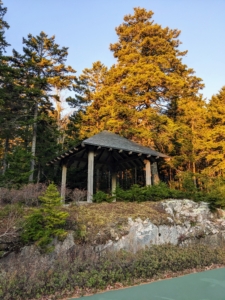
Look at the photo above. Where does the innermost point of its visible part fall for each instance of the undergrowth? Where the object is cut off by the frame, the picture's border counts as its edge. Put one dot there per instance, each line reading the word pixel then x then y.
pixel 215 196
pixel 87 270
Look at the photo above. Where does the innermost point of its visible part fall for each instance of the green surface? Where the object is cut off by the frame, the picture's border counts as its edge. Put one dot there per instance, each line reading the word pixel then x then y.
pixel 209 285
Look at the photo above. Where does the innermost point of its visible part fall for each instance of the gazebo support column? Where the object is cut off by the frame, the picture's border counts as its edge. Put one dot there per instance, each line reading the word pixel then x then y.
pixel 90 180
pixel 155 174
pixel 148 174
pixel 63 183
pixel 114 179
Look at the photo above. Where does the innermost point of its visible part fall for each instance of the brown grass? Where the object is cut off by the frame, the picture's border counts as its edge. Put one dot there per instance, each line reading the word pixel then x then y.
pixel 90 219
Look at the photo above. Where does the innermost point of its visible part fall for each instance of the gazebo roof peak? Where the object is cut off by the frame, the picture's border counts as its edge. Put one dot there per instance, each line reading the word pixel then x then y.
pixel 111 140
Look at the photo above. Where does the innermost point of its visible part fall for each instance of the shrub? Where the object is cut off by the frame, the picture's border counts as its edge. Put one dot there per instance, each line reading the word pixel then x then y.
pixel 47 221
pixel 78 195
pixel 148 193
pixel 10 219
pixel 82 269
pixel 157 192
pixel 101 196
pixel 26 194
pixel 215 197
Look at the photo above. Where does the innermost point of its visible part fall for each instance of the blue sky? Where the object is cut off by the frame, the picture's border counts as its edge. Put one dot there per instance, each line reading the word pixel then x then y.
pixel 87 27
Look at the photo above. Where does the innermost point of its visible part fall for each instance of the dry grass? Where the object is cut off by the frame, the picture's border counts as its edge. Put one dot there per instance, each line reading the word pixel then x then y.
pixel 100 218
pixel 92 223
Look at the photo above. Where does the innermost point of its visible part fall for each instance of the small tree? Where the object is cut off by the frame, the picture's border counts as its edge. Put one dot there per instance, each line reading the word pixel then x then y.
pixel 46 222
pixel 18 168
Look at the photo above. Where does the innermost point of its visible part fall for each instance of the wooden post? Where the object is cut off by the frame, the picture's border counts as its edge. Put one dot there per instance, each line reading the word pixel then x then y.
pixel 113 182
pixel 63 183
pixel 148 175
pixel 90 176
pixel 155 174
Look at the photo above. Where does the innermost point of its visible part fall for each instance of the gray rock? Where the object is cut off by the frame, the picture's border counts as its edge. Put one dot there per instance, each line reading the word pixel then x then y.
pixel 190 222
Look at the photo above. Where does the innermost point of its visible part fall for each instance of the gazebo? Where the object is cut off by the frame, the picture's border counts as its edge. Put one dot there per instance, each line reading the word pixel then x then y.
pixel 107 150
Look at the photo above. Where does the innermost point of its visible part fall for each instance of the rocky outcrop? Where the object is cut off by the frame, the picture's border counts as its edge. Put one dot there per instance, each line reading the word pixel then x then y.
pixel 33 258
pixel 188 222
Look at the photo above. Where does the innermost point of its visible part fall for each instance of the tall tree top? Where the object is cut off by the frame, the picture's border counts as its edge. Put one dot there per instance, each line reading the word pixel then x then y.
pixel 148 80
pixel 3 25
pixel 139 34
pixel 149 63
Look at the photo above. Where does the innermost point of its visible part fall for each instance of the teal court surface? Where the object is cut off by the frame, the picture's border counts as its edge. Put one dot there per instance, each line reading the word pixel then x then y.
pixel 209 285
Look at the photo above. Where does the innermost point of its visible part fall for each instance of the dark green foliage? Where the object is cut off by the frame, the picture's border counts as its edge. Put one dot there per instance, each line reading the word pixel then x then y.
pixel 11 97
pixel 3 25
pixel 135 193
pixel 101 196
pixel 47 146
pixel 215 196
pixel 150 193
pixel 47 221
pixel 18 169
pixel 187 183
pixel 33 229
pixel 43 68
pixel 86 270
pixel 7 210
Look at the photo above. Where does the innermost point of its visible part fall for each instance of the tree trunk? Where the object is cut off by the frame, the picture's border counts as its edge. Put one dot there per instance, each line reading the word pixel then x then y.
pixel 39 173
pixel 193 163
pixel 33 147
pixel 194 171
pixel 6 149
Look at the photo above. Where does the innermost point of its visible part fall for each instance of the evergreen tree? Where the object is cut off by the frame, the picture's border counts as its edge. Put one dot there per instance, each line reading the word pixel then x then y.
pixel 3 71
pixel 214 139
pixel 11 93
pixel 18 170
pixel 148 80
pixel 188 152
pixel 46 222
pixel 43 64
pixel 47 144
pixel 87 89
pixel 3 25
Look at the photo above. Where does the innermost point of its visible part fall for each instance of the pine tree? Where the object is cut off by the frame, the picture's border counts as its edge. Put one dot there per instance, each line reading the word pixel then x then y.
pixel 18 170
pixel 3 25
pixel 214 139
pixel 3 91
pixel 147 80
pixel 46 222
pixel 188 152
pixel 87 89
pixel 11 93
pixel 47 144
pixel 43 64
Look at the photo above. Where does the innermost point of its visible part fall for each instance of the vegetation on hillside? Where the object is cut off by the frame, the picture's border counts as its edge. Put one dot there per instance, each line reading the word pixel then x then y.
pixel 82 271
